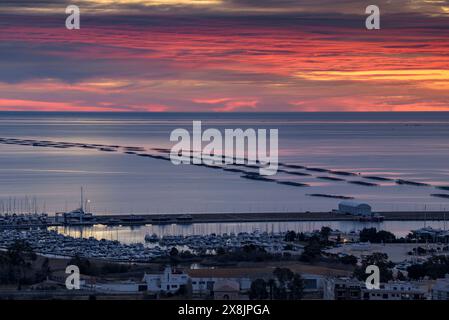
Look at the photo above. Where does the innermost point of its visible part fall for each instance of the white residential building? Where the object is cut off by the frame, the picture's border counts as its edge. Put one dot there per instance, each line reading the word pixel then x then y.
pixel 394 291
pixel 170 280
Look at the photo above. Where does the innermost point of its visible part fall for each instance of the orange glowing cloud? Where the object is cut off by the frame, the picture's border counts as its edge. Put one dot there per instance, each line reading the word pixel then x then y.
pixel 30 105
pixel 224 67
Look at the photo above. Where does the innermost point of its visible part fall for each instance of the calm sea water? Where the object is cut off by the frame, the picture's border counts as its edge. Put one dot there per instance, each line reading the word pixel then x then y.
pixel 412 146
pixel 128 235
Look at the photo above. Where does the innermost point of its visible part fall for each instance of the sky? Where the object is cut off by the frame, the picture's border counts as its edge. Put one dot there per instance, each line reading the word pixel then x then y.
pixel 224 56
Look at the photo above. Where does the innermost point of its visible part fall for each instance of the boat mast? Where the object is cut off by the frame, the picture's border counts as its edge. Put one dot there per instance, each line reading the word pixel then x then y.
pixel 82 200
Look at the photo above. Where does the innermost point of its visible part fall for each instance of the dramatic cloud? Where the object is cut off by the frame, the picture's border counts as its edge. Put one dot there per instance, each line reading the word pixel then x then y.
pixel 224 55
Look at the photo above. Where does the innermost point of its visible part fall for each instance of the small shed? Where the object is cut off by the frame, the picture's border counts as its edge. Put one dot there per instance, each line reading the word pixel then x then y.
pixel 355 208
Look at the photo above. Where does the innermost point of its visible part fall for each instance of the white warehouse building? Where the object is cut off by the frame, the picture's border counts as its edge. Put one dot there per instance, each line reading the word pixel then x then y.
pixel 170 280
pixel 355 208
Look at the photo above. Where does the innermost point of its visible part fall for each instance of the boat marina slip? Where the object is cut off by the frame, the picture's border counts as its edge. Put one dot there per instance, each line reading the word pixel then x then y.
pixel 51 243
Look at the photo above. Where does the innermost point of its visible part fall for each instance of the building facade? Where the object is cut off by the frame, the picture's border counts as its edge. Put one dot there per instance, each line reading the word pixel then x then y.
pixel 171 280
pixel 354 208
pixel 440 290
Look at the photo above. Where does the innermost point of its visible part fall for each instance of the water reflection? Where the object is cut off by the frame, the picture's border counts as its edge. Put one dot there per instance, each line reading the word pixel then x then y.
pixel 128 234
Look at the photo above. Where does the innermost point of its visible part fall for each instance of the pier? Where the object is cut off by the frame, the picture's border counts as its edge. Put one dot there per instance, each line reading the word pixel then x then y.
pixel 262 217
pixel 158 219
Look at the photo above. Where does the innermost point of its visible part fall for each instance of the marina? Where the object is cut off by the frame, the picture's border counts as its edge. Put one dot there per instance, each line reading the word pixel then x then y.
pixel 54 244
pixel 137 234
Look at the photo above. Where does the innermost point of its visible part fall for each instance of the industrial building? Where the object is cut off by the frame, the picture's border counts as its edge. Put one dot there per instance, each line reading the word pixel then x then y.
pixel 355 208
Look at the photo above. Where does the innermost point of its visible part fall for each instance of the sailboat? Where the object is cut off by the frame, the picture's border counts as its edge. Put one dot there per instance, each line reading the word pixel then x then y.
pixel 78 215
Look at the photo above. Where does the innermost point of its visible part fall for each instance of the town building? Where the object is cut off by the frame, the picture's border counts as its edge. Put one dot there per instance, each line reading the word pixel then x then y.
pixel 354 208
pixel 170 281
pixel 353 289
pixel 342 289
pixel 313 286
pixel 394 291
pixel 440 290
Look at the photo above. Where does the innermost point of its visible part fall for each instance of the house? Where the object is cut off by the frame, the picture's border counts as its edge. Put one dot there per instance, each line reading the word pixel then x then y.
pixel 171 280
pixel 203 281
pixel 352 289
pixel 342 289
pixel 313 286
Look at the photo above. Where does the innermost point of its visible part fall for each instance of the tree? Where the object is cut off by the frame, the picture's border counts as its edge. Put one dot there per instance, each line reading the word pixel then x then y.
pixel 385 236
pixel 258 290
pixel 349 259
pixel 296 287
pixel 372 235
pixel 174 252
pixel 435 267
pixel 416 271
pixel 19 252
pixel 311 251
pixel 44 271
pixel 400 276
pixel 16 262
pixel 283 274
pixel 325 232
pixel 85 266
pixel 272 285
pixel 290 236
pixel 368 234
pixel 381 261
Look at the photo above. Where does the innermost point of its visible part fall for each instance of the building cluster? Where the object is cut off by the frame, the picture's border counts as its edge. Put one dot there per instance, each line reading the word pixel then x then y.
pixel 202 284
pixel 173 281
pixel 353 289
